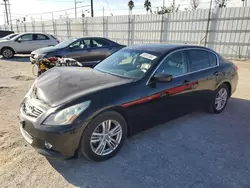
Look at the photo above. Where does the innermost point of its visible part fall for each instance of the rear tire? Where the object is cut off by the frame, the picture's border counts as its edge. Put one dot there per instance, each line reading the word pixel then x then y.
pixel 7 52
pixel 97 142
pixel 219 99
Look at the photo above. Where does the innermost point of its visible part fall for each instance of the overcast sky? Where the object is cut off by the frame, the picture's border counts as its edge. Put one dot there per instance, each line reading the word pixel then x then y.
pixel 20 8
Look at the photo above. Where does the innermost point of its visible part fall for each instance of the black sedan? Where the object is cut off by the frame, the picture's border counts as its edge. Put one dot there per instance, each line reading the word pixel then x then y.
pixel 87 50
pixel 92 111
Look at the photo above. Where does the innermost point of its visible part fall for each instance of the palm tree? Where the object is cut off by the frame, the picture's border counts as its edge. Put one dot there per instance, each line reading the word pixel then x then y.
pixel 147 5
pixel 130 6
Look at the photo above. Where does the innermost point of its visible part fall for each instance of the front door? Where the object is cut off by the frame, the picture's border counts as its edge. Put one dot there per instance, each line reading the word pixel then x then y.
pixel 172 99
pixel 167 100
pixel 100 48
pixel 25 43
pixel 80 50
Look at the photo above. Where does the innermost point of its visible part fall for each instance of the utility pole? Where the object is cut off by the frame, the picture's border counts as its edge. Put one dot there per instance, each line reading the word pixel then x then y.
pixel 75 10
pixel 92 9
pixel 6 11
pixel 10 17
pixel 208 21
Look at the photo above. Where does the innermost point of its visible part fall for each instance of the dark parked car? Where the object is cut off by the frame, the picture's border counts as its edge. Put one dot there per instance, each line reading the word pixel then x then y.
pixel 10 36
pixel 89 50
pixel 92 111
pixel 5 33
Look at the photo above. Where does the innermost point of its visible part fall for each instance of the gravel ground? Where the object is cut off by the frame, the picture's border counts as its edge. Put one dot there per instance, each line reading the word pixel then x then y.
pixel 197 150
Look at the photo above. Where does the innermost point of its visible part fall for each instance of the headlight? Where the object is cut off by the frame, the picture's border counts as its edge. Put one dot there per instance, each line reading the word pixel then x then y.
pixel 39 56
pixel 67 115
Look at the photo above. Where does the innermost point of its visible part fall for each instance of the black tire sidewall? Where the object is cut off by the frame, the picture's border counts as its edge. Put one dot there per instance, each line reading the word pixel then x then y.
pixel 85 147
pixel 8 49
pixel 212 104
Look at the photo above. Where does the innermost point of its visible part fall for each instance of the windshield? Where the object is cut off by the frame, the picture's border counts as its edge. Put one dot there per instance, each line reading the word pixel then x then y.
pixel 65 43
pixel 128 63
pixel 8 37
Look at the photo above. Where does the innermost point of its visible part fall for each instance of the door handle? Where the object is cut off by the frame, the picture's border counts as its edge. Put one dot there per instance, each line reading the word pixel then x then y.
pixel 216 73
pixel 186 82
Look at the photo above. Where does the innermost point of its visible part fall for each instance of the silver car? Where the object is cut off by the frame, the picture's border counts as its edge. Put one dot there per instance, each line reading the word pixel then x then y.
pixel 25 43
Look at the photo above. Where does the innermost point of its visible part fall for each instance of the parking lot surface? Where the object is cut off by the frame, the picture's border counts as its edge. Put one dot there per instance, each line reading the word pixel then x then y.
pixel 197 150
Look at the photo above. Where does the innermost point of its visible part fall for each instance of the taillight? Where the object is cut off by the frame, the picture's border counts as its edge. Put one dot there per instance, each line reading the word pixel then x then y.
pixel 235 68
pixel 52 59
pixel 58 40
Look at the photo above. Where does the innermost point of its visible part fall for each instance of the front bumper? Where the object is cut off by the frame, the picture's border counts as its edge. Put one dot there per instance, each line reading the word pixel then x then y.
pixel 64 142
pixel 33 60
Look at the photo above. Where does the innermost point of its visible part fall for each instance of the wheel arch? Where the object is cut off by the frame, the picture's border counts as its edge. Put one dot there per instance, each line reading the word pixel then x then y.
pixel 7 47
pixel 228 83
pixel 118 109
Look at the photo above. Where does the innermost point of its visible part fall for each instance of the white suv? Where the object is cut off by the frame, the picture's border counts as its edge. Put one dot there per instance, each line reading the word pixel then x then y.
pixel 25 43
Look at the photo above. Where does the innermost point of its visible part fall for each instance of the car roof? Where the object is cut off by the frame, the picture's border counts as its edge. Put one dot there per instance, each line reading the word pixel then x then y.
pixel 34 33
pixel 163 48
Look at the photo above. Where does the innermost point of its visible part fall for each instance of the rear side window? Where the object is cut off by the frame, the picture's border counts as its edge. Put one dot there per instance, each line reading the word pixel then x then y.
pixel 212 59
pixel 201 59
pixel 41 37
pixel 100 43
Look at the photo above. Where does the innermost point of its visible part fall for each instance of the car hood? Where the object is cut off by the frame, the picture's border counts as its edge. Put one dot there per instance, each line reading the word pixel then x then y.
pixel 2 41
pixel 63 84
pixel 45 50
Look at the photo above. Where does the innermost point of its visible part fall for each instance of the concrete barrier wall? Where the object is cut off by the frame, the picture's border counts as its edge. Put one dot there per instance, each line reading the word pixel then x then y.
pixel 227 31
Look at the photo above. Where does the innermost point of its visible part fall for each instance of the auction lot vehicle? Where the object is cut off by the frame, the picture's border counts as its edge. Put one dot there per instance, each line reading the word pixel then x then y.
pixel 4 33
pixel 25 43
pixel 10 36
pixel 45 64
pixel 91 111
pixel 89 50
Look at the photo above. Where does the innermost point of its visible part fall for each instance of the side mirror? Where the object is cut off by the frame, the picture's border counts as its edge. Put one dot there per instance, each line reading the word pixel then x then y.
pixel 162 77
pixel 19 40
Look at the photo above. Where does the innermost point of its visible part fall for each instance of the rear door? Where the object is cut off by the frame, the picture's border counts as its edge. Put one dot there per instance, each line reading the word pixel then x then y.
pixel 204 71
pixel 42 41
pixel 101 49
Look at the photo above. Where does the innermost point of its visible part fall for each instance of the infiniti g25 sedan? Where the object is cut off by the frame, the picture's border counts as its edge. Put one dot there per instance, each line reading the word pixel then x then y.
pixel 86 111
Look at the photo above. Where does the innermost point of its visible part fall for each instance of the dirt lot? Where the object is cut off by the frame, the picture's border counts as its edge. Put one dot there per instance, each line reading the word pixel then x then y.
pixel 198 150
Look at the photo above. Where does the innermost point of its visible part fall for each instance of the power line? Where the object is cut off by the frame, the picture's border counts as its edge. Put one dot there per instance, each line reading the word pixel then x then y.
pixel 53 11
pixel 108 7
pixel 56 1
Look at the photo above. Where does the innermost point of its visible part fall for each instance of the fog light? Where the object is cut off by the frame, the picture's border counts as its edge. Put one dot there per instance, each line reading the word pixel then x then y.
pixel 47 145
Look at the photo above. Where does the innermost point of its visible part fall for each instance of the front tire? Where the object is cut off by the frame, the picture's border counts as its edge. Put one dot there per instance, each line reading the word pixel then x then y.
pixel 7 53
pixel 219 99
pixel 103 136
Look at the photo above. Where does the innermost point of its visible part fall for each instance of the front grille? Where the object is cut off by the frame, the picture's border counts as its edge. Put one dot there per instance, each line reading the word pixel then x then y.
pixel 30 110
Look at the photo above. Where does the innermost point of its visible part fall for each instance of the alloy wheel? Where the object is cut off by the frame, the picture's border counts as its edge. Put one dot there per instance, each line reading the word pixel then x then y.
pixel 106 137
pixel 7 53
pixel 221 99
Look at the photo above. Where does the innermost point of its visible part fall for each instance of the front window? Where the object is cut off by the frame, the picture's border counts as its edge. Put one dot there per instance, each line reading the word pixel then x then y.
pixel 175 64
pixel 81 44
pixel 128 63
pixel 27 37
